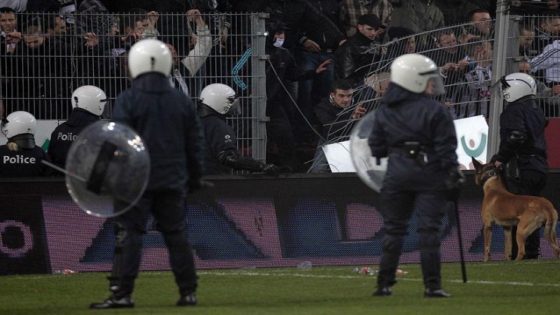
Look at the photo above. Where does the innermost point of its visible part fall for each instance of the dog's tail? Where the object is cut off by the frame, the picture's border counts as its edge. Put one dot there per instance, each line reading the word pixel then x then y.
pixel 550 230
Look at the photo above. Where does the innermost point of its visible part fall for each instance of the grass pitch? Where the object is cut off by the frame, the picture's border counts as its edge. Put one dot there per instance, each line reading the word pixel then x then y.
pixel 531 287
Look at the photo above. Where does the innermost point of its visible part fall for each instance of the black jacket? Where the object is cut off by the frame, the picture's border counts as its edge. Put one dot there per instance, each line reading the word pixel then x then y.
pixel 335 121
pixel 298 16
pixel 167 122
pixel 354 59
pixel 64 135
pixel 326 13
pixel 524 117
pixel 220 137
pixel 23 163
pixel 405 116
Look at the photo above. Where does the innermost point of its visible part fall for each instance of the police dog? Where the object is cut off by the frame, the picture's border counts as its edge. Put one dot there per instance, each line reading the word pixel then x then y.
pixel 506 209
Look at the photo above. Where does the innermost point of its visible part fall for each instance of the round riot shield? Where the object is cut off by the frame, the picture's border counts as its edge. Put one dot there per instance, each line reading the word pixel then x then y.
pixel 367 168
pixel 107 169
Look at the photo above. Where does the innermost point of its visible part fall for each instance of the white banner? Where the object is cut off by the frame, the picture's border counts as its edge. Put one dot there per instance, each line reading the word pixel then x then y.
pixel 472 140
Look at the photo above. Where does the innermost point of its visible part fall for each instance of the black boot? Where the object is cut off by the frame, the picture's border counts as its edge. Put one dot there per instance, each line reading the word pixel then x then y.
pixel 383 291
pixel 113 302
pixel 187 300
pixel 436 293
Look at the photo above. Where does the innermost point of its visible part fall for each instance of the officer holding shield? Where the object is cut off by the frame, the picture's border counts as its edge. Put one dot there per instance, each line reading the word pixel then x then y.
pixel 168 125
pixel 417 134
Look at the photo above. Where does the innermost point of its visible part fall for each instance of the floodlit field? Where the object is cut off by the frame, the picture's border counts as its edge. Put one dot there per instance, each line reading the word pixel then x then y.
pixel 493 288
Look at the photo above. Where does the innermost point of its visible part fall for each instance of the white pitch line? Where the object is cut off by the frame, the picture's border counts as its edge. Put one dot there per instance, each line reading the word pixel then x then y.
pixel 300 275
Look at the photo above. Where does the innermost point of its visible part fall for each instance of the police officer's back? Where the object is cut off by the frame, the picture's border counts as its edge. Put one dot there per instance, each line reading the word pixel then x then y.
pixel 88 102
pixel 418 136
pixel 20 156
pixel 167 122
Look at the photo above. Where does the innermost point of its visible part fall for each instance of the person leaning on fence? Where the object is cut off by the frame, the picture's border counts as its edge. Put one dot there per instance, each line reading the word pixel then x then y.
pixel 547 31
pixel 522 147
pixel 167 122
pixel 422 169
pixel 88 104
pixel 216 101
pixel 547 61
pixel 337 116
pixel 20 157
pixel 452 60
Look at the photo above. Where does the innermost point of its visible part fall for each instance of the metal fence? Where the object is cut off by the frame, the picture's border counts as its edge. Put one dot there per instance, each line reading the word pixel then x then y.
pixel 472 59
pixel 47 56
pixel 56 54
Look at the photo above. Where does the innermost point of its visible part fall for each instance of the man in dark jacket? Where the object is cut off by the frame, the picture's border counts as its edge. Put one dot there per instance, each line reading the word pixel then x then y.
pixel 418 136
pixel 337 115
pixel 167 122
pixel 217 101
pixel 523 146
pixel 357 56
pixel 88 102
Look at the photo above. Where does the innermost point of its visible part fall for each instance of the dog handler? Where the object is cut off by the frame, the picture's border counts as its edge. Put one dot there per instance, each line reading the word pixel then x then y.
pixel 522 147
pixel 417 134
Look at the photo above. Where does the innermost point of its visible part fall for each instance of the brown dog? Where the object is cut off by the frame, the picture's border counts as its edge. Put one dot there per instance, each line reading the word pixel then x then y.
pixel 506 209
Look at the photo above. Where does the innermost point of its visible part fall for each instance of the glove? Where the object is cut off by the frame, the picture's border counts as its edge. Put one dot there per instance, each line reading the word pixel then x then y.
pixel 198 184
pixel 271 169
pixel 453 183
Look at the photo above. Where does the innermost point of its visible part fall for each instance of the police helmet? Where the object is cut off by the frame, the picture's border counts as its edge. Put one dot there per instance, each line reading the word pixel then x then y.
pixel 18 123
pixel 219 97
pixel 413 72
pixel 90 98
pixel 149 55
pixel 518 85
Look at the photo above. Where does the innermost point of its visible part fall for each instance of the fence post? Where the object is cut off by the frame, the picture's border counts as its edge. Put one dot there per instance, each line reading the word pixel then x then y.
pixel 498 70
pixel 258 86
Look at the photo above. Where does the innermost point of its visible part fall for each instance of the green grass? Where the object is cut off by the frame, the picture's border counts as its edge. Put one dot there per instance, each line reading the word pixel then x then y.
pixel 493 288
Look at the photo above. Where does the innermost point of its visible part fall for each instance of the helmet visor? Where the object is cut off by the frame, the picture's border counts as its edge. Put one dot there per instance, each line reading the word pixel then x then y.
pixel 438 86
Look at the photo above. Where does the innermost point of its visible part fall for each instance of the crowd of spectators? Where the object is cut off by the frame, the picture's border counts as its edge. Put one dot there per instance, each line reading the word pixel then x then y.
pixel 46 51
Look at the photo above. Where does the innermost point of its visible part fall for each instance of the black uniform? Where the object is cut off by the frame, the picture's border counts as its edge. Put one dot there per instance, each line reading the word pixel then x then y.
pixel 167 122
pixel 408 122
pixel 522 125
pixel 26 162
pixel 64 135
pixel 222 155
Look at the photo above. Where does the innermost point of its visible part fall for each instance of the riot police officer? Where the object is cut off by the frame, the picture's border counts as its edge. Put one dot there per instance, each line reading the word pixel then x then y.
pixel 20 156
pixel 167 122
pixel 417 134
pixel 522 146
pixel 88 104
pixel 218 100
